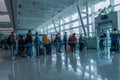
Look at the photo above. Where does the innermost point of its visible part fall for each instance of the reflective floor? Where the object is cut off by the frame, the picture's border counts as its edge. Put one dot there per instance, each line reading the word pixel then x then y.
pixel 90 65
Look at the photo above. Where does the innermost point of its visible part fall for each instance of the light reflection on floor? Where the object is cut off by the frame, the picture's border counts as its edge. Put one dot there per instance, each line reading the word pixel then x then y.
pixel 91 65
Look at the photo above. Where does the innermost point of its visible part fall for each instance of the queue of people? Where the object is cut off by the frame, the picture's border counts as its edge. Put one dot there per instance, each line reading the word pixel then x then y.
pixel 26 43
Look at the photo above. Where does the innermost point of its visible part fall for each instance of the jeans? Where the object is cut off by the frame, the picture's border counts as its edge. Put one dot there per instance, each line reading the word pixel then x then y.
pixel 73 46
pixel 22 50
pixel 101 44
pixel 58 47
pixel 12 49
pixel 65 45
pixel 29 49
pixel 37 48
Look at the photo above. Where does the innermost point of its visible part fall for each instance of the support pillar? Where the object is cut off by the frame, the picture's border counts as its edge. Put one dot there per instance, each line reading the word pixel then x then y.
pixel 81 20
pixel 87 16
pixel 54 25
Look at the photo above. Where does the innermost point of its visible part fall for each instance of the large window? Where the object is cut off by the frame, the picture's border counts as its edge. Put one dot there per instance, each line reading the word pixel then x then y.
pixel 102 4
pixel 75 16
pixel 117 8
pixel 75 24
pixel 117 2
pixel 67 19
pixel 76 30
pixel 50 26
pixel 67 26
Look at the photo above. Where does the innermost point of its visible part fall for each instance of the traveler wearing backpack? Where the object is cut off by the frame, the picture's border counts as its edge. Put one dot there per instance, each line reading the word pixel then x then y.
pixel 73 44
pixel 47 44
pixel 58 42
pixel 11 41
pixel 37 43
pixel 65 41
pixel 29 41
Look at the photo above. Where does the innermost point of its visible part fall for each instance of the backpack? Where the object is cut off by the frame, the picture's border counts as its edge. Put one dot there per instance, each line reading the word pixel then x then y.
pixel 73 39
pixel 37 40
pixel 10 40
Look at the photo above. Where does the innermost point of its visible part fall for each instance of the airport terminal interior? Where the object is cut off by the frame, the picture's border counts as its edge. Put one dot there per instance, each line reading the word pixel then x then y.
pixel 59 39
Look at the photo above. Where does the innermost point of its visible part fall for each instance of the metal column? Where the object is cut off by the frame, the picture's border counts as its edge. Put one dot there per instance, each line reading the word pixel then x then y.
pixel 47 29
pixel 112 3
pixel 43 30
pixel 93 20
pixel 54 25
pixel 87 16
pixel 59 25
pixel 80 17
pixel 71 31
pixel 12 11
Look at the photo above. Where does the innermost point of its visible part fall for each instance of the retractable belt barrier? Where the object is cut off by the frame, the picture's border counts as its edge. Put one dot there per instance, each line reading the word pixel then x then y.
pixel 51 43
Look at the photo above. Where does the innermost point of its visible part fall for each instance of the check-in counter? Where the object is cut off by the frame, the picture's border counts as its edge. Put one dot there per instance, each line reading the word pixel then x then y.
pixel 92 43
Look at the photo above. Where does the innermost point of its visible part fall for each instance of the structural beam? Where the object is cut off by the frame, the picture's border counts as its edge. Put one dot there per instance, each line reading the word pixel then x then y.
pixel 93 19
pixel 87 15
pixel 47 29
pixel 59 25
pixel 54 25
pixel 12 11
pixel 80 17
pixel 112 4
pixel 43 30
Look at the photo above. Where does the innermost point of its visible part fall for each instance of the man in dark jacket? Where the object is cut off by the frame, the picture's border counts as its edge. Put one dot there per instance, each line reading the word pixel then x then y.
pixel 58 41
pixel 11 41
pixel 65 40
pixel 29 41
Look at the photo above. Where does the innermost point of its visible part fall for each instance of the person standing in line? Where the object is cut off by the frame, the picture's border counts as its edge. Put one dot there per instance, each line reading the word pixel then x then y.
pixel 58 42
pixel 29 41
pixel 81 43
pixel 73 43
pixel 46 41
pixel 37 43
pixel 115 39
pixel 11 41
pixel 65 41
pixel 102 39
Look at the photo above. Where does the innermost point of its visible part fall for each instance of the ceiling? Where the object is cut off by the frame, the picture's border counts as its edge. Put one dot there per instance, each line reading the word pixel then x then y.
pixel 29 14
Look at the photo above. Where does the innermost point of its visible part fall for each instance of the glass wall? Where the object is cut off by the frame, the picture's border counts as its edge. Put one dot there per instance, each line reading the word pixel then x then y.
pixel 71 23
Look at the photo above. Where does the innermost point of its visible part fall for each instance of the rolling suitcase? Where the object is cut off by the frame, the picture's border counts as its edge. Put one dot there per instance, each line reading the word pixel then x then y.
pixel 48 51
pixel 42 51
pixel 68 48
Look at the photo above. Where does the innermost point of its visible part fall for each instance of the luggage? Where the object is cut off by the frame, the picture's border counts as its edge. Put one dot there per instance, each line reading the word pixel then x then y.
pixel 42 51
pixel 68 48
pixel 114 49
pixel 48 49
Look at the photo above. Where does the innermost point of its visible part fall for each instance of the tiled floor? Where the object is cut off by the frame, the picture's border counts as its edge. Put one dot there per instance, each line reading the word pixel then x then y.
pixel 91 65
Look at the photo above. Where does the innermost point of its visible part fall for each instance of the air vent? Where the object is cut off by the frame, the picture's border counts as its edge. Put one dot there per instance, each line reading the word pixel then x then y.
pixel 33 3
pixel 20 6
pixel 19 13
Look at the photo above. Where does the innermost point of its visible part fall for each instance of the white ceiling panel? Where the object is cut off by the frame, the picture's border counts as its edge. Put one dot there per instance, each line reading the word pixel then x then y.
pixel 31 13
pixel 28 14
pixel 3 6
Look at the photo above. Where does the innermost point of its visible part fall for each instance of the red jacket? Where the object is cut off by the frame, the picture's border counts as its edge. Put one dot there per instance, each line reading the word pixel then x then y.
pixel 73 39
